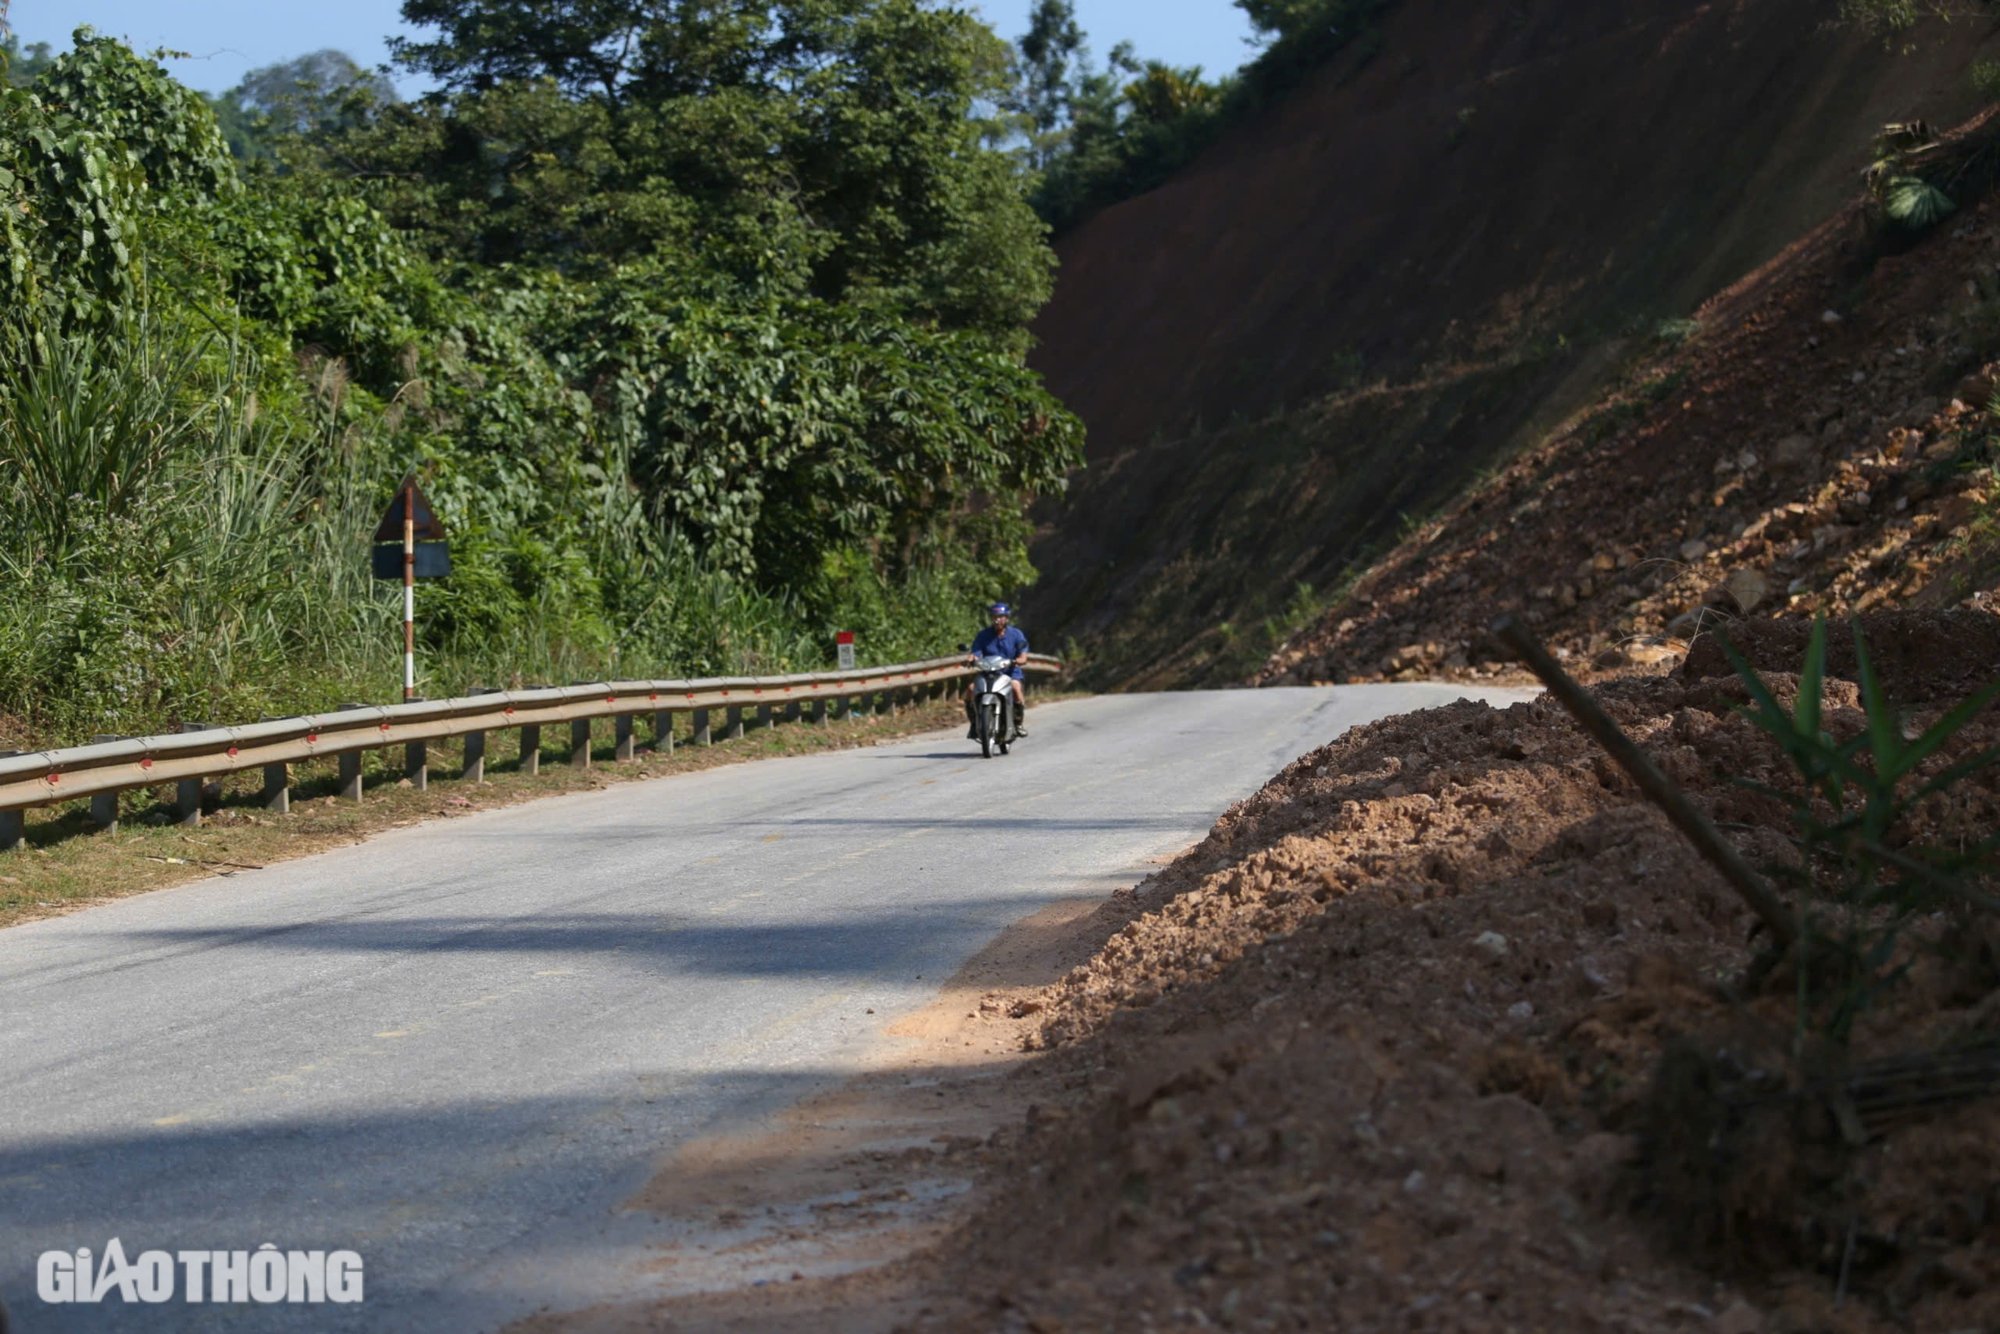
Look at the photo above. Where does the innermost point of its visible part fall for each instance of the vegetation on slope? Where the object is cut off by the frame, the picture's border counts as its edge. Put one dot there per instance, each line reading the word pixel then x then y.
pixel 705 337
pixel 1100 135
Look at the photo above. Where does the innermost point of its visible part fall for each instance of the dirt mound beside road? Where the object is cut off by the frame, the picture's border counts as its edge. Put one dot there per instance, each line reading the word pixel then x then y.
pixel 1380 1053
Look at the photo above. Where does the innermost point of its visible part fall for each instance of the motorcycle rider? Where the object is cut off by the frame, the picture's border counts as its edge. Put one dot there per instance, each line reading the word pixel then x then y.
pixel 1001 639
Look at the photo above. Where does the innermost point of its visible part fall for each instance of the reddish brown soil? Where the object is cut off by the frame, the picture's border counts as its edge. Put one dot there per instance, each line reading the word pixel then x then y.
pixel 1380 1054
pixel 1823 445
pixel 1422 262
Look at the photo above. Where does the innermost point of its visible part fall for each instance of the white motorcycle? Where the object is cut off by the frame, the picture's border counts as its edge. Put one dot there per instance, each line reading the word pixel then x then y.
pixel 993 705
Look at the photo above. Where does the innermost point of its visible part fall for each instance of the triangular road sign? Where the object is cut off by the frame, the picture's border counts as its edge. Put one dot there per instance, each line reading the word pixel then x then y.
pixel 428 527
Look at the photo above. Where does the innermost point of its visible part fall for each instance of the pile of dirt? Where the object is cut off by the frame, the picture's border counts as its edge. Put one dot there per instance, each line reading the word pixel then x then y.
pixel 1822 444
pixel 1428 1035
pixel 1447 242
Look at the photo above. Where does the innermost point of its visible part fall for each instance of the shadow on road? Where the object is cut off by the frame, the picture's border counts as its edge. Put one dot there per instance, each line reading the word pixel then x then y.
pixel 421 1194
pixel 673 942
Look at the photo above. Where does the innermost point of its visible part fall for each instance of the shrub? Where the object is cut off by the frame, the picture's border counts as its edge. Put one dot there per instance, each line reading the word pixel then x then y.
pixel 1868 865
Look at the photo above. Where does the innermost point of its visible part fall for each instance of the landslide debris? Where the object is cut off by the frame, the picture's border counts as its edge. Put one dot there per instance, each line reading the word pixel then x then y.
pixel 1824 442
pixel 1451 239
pixel 1385 1051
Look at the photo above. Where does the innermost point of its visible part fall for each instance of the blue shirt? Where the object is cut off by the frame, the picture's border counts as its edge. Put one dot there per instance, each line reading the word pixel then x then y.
pixel 1009 643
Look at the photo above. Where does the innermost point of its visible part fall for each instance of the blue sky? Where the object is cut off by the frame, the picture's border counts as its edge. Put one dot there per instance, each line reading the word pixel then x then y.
pixel 227 38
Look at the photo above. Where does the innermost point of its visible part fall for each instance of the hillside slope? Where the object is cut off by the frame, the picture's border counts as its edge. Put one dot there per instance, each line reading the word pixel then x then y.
pixel 1820 444
pixel 1346 312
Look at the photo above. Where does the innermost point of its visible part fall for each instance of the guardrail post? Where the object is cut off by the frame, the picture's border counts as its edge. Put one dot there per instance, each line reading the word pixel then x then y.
pixel 278 788
pixel 277 794
pixel 350 776
pixel 885 704
pixel 765 717
pixel 732 727
pixel 622 730
pixel 187 792
pixel 663 732
pixel 531 748
pixel 350 767
pixel 700 735
pixel 13 824
pixel 819 712
pixel 417 764
pixel 793 711
pixel 579 743
pixel 104 806
pixel 473 770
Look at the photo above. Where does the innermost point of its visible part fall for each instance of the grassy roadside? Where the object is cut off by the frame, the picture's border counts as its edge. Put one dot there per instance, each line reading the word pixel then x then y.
pixel 66 866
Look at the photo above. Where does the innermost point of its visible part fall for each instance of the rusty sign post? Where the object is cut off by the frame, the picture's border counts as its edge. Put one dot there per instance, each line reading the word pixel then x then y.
pixel 399 552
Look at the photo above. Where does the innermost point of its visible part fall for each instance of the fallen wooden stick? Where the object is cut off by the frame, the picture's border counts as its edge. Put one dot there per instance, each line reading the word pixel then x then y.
pixel 1713 847
pixel 196 861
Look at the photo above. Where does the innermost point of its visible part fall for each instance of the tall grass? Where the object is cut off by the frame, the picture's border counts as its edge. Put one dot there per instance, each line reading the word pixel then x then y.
pixel 165 545
pixel 170 552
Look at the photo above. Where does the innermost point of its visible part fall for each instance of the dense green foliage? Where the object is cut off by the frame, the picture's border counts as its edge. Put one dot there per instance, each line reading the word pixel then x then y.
pixel 1101 135
pixel 325 92
pixel 700 358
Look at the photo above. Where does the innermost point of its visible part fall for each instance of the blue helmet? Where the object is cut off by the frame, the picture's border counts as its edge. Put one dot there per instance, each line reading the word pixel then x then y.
pixel 1000 609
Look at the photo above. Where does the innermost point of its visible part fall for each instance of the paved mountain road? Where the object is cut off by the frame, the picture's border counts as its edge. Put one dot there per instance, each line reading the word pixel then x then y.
pixel 456 1048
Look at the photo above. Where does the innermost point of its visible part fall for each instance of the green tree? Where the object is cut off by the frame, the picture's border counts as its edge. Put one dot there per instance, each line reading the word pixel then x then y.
pixel 326 91
pixel 1165 93
pixel 1279 19
pixel 1052 57
pixel 829 147
pixel 694 364
pixel 21 65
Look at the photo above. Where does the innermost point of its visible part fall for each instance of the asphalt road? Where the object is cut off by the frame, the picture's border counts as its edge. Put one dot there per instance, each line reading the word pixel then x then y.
pixel 455 1049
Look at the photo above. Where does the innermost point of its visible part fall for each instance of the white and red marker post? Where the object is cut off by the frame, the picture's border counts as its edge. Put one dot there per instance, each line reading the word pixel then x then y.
pixel 410 588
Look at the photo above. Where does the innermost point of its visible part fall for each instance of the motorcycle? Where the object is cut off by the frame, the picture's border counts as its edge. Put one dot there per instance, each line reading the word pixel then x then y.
pixel 993 705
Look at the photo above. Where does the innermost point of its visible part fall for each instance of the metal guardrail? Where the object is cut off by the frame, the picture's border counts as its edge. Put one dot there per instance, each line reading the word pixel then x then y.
pixel 193 758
